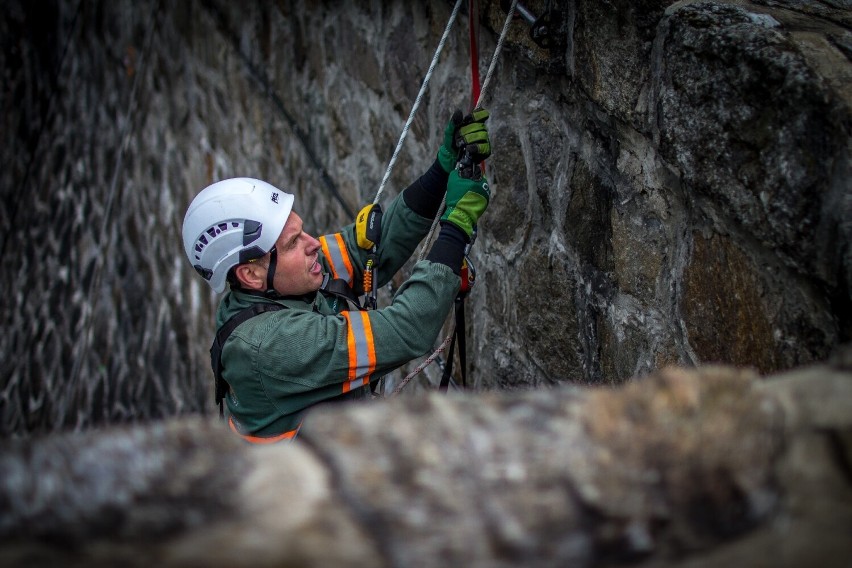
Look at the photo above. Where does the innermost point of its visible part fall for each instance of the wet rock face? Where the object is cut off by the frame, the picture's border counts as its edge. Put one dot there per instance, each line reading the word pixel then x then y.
pixel 671 182
pixel 611 54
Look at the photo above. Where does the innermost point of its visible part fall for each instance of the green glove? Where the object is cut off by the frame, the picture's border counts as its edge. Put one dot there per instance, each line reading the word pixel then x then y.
pixel 466 201
pixel 465 133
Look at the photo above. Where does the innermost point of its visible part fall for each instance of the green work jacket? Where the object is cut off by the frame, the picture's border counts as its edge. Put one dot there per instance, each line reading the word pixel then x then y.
pixel 280 363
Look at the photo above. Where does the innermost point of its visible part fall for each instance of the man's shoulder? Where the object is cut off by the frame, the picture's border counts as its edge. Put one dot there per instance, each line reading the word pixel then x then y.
pixel 235 302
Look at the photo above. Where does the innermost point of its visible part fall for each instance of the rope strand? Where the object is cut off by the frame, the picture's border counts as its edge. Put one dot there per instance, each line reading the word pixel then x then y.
pixel 426 362
pixel 414 108
pixel 426 242
pixel 497 51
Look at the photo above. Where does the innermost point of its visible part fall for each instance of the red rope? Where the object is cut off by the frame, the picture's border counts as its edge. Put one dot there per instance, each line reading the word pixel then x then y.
pixel 475 86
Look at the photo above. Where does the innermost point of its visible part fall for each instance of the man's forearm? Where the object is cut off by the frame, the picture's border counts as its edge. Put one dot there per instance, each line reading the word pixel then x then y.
pixel 424 196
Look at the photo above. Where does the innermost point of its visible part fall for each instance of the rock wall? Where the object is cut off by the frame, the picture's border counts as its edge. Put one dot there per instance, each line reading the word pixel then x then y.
pixel 684 468
pixel 671 181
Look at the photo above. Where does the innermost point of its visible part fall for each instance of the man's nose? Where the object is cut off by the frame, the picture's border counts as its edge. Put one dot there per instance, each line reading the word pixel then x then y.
pixel 313 244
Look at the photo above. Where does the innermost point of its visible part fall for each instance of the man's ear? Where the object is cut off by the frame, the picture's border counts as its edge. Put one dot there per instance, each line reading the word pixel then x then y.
pixel 251 275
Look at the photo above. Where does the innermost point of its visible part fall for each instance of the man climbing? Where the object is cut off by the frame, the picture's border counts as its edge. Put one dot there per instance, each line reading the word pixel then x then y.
pixel 287 338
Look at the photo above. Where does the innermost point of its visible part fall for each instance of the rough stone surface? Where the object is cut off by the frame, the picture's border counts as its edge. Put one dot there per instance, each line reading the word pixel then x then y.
pixel 752 127
pixel 727 314
pixel 683 468
pixel 671 182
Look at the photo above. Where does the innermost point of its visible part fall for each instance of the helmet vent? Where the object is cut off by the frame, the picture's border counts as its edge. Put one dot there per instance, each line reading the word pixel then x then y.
pixel 210 234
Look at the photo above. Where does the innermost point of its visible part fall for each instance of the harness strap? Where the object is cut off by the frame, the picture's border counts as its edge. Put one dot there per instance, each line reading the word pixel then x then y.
pixel 222 335
pixel 458 334
pixel 338 287
pixel 270 272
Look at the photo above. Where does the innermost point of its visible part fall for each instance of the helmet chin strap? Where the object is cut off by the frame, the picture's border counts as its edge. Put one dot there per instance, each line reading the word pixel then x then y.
pixel 270 272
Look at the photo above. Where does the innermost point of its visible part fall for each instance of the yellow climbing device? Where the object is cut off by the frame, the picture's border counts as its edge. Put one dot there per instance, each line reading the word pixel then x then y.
pixel 368 226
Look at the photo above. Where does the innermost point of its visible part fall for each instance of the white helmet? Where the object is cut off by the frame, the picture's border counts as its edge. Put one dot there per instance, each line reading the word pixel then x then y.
pixel 231 222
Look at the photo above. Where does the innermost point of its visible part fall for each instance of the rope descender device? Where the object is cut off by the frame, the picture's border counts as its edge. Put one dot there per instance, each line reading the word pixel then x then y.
pixel 467 168
pixel 368 234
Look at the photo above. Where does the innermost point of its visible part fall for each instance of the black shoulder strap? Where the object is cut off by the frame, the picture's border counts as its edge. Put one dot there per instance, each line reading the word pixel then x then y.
pixel 338 287
pixel 222 335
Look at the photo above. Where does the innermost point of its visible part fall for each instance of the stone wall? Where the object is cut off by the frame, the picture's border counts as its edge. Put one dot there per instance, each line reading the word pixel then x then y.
pixel 683 199
pixel 671 181
pixel 686 468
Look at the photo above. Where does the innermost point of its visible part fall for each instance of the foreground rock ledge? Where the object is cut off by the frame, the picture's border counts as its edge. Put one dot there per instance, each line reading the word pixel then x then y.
pixel 705 467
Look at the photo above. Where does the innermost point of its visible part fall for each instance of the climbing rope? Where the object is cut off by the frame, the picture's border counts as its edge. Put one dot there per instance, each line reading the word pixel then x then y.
pixel 416 105
pixel 473 40
pixel 496 55
pixel 427 241
pixel 426 362
pixel 425 85
pixel 482 92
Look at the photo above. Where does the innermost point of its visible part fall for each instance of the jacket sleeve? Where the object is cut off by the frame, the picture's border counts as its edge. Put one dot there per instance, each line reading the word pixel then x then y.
pixel 404 224
pixel 308 354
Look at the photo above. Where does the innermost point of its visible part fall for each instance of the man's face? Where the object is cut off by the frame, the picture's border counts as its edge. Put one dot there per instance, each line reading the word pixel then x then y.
pixel 299 271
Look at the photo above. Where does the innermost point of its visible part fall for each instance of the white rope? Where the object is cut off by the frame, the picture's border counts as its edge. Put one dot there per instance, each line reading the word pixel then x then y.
pixel 485 84
pixel 497 51
pixel 504 32
pixel 427 241
pixel 414 108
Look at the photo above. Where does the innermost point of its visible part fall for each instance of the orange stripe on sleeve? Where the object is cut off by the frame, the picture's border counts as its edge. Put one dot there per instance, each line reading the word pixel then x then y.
pixel 362 350
pixel 353 353
pixel 344 253
pixel 371 346
pixel 327 255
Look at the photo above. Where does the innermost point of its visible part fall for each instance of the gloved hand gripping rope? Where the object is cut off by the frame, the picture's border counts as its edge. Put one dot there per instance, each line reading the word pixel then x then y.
pixel 466 145
pixel 479 148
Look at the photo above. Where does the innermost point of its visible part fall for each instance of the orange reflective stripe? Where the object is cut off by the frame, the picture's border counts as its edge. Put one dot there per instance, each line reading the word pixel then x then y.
pixel 257 439
pixel 327 254
pixel 353 352
pixel 362 349
pixel 334 250
pixel 345 254
pixel 371 346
